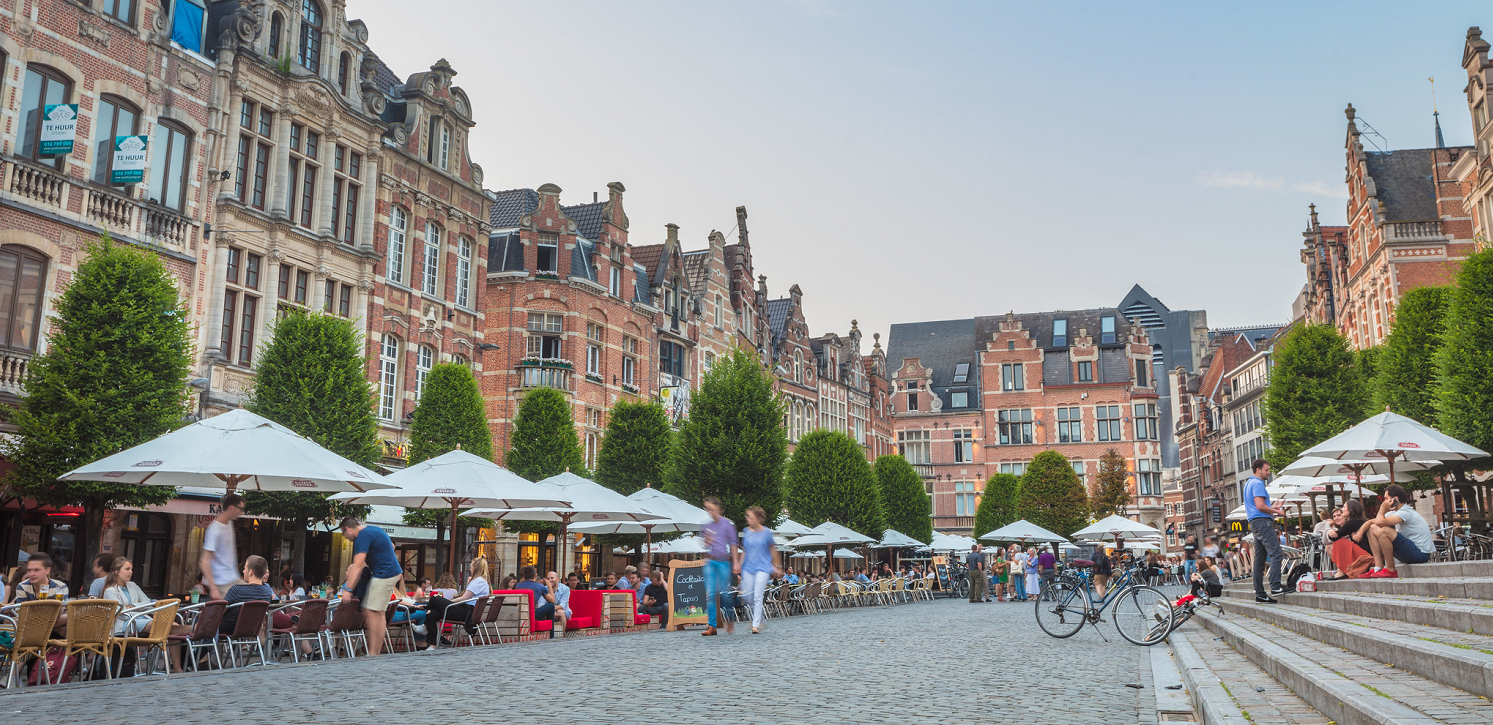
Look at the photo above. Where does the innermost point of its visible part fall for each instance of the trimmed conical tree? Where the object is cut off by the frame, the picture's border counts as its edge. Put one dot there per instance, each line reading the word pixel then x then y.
pixel 828 479
pixel 1406 381
pixel 1464 400
pixel 1367 360
pixel 1052 496
pixel 543 444
pixel 1316 392
pixel 450 415
pixel 310 379
pixel 635 451
pixel 733 445
pixel 1112 494
pixel 903 497
pixel 997 504
pixel 113 376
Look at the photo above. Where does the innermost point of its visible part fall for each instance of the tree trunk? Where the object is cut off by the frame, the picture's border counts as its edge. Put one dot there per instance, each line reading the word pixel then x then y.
pixel 298 548
pixel 86 540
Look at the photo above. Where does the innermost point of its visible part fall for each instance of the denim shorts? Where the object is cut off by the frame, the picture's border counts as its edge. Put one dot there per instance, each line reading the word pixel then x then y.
pixel 1407 552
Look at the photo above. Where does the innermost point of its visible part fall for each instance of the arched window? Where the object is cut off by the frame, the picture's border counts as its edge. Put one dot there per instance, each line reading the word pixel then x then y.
pixel 798 366
pixel 461 360
pixel 424 361
pixel 388 377
pixel 430 276
pixel 42 87
pixel 438 146
pixel 122 10
pixel 344 67
pixel 116 117
pixel 310 51
pixel 463 272
pixel 170 165
pixel 277 31
pixel 399 224
pixel 23 281
pixel 809 419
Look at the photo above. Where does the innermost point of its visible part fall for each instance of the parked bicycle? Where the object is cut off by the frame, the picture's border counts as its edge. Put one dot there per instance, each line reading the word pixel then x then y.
pixel 1143 615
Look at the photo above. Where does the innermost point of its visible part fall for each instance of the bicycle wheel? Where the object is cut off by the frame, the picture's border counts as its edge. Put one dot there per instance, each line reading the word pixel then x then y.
pixel 1062 608
pixel 1144 616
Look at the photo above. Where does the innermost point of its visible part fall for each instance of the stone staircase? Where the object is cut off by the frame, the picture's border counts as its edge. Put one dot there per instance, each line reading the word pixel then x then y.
pixel 1418 649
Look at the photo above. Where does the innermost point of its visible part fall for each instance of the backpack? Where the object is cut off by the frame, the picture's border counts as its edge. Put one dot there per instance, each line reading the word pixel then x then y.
pixel 1300 569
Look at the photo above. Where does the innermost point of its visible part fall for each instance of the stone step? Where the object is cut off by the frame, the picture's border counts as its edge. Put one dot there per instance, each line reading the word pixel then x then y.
pixel 1227 689
pixel 1428 587
pixel 1446 569
pixel 1457 615
pixel 1347 688
pixel 1460 660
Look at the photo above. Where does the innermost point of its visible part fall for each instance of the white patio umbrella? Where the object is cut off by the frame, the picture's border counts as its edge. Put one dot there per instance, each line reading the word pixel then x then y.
pixel 1238 514
pixel 682 545
pixel 456 480
pixel 1389 436
pixel 948 542
pixel 894 539
pixel 791 528
pixel 830 534
pixel 589 502
pixel 1023 531
pixel 680 517
pixel 233 451
pixel 1319 466
pixel 1114 528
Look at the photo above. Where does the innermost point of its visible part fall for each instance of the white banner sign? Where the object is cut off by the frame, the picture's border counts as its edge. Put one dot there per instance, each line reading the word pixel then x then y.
pixel 129 159
pixel 59 125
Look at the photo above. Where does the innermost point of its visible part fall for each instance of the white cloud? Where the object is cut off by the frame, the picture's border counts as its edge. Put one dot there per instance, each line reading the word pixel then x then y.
pixel 1251 180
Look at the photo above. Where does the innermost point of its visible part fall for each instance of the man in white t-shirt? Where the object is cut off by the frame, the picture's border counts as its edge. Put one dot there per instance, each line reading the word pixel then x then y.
pixel 1399 532
pixel 219 562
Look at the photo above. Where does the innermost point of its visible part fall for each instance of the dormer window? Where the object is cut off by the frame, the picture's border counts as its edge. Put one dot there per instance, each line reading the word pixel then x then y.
pixel 961 373
pixel 438 146
pixel 549 254
pixel 1059 333
pixel 1107 330
pixel 310 50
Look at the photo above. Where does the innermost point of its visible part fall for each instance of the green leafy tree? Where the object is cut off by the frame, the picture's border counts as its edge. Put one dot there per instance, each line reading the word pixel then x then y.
pixel 1112 494
pixel 635 451
pixel 1052 496
pixel 903 497
pixel 113 376
pixel 1367 360
pixel 310 379
pixel 733 445
pixel 1316 391
pixel 828 479
pixel 1406 375
pixel 450 415
pixel 997 504
pixel 543 444
pixel 1464 399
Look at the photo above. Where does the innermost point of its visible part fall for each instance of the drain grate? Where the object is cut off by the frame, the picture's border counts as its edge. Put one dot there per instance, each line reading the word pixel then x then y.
pixel 1176 717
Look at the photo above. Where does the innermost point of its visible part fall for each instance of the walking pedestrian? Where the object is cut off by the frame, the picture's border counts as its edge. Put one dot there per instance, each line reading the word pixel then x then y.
pixel 974 562
pixel 1189 557
pixel 1103 567
pixel 759 559
pixel 725 554
pixel 1262 525
pixel 219 561
pixel 1047 564
pixel 371 577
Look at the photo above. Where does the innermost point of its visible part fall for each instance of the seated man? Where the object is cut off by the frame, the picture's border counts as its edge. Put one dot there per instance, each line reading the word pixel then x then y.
pixel 39 584
pixel 1397 533
pixel 573 580
pixel 253 589
pixel 560 600
pixel 655 601
pixel 790 577
pixel 544 602
pixel 611 581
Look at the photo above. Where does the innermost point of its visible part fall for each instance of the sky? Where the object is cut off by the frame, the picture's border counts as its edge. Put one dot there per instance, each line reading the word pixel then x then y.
pixel 903 162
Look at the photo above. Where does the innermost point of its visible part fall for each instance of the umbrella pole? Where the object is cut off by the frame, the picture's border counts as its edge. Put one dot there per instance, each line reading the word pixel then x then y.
pixel 560 544
pixel 455 506
pixel 648 532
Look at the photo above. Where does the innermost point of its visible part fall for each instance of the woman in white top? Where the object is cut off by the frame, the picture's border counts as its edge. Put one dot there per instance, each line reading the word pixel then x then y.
pixel 119 586
pixel 454 609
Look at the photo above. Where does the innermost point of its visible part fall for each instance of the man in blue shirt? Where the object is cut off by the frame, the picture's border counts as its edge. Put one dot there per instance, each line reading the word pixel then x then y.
pixel 371 577
pixel 1262 525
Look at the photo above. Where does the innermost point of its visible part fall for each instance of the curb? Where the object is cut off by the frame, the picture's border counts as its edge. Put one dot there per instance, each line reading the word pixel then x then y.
pixel 1211 702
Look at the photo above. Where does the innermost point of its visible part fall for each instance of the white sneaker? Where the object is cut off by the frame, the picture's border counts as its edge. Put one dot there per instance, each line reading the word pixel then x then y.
pixel 419 629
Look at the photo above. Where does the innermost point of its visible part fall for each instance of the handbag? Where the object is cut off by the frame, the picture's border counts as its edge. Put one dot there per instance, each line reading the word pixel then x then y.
pixel 1359 566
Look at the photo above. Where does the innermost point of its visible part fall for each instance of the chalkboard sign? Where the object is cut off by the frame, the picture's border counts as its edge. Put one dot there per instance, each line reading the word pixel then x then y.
pixel 687 593
pixel 941 566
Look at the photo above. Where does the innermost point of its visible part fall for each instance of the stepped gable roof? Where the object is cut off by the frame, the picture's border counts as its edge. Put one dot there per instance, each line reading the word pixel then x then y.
pixel 1403 183
pixel 697 270
pixel 1039 326
pixel 587 217
pixel 508 207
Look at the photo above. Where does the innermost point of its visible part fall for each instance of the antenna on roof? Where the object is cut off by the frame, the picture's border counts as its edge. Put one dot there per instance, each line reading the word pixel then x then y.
pixel 1436 114
pixel 1371 131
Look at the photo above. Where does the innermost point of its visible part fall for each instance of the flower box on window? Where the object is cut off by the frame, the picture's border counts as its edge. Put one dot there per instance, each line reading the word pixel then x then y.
pixel 593 377
pixel 545 362
pixel 630 388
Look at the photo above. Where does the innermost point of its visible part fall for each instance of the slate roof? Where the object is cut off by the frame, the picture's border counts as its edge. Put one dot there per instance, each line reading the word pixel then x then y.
pixel 580 260
pixel 385 78
pixel 777 315
pixel 697 270
pixel 1039 325
pixel 1402 180
pixel 648 256
pixel 510 206
pixel 941 345
pixel 587 218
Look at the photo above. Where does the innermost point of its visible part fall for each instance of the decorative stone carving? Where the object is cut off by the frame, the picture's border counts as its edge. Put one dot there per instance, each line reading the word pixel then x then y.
pixel 240 28
pixel 398 134
pixel 188 80
pixel 96 33
pixel 314 99
pixel 360 30
pixel 476 174
pixel 373 100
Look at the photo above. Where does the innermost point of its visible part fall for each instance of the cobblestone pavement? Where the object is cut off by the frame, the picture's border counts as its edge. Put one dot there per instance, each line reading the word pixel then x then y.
pixel 942 661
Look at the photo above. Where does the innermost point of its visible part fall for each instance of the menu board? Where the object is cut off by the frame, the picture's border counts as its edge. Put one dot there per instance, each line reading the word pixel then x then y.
pixel 687 593
pixel 941 566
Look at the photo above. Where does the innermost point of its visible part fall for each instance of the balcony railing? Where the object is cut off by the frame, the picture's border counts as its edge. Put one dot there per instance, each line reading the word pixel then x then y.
pixel 1415 231
pixel 44 187
pixel 13 366
pixel 39 185
pixel 537 377
pixel 924 470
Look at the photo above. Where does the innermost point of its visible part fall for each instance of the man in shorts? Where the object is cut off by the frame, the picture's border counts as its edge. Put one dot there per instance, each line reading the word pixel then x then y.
pixel 372 576
pixel 1398 533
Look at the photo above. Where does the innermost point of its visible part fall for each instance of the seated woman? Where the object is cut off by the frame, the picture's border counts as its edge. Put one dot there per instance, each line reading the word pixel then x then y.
pixel 409 611
pixel 509 582
pixel 119 586
pixel 445 586
pixel 454 608
pixel 1347 554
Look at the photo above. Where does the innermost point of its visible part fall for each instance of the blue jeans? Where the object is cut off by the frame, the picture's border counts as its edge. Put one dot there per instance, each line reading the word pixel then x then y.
pixel 1019 581
pixel 1188 567
pixel 1267 551
pixel 717 578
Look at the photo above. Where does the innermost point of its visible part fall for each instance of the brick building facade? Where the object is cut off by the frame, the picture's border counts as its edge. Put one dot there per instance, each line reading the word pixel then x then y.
pixel 972 398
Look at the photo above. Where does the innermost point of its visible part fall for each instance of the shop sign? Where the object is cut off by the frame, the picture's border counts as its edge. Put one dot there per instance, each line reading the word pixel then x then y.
pixel 59 126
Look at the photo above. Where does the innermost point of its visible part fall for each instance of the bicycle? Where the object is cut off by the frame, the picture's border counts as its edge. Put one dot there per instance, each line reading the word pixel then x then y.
pixel 1143 615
